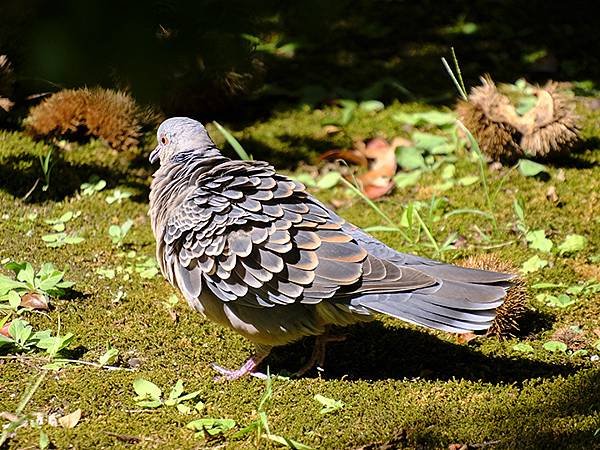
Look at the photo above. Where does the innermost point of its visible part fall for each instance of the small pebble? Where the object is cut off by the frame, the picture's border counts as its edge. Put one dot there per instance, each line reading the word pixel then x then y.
pixel 134 363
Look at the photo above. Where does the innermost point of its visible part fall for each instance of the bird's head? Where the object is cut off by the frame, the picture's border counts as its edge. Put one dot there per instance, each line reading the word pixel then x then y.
pixel 180 134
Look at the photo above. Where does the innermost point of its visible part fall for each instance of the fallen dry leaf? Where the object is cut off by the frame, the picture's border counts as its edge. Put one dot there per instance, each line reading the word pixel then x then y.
pixel 4 329
pixel 551 194
pixel 70 420
pixel 34 300
pixel 11 417
pixel 464 338
pixel 378 180
pixel 353 156
pixel 374 191
pixel 6 104
pixel 379 156
pixel 331 129
pixel 458 447
pixel 560 175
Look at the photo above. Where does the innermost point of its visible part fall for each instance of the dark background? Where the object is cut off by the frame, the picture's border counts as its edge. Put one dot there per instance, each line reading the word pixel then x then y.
pixel 190 57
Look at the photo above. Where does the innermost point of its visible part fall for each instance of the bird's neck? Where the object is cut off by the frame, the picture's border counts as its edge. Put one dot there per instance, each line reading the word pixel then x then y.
pixel 209 155
pixel 174 179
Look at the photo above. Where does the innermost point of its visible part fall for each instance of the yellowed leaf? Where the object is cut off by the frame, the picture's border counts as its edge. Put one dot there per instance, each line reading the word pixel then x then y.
pixel 70 420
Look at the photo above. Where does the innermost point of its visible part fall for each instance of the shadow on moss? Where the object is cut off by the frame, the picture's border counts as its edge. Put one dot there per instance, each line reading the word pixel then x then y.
pixel 20 173
pixel 373 351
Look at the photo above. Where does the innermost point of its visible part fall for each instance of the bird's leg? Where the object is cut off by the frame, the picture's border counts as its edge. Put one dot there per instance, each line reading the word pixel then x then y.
pixel 318 354
pixel 248 367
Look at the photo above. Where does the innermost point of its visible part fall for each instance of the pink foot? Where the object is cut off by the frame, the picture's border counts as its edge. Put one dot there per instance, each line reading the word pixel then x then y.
pixel 248 368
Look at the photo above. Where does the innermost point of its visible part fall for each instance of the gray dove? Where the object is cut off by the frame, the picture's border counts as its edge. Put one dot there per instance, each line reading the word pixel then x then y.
pixel 253 251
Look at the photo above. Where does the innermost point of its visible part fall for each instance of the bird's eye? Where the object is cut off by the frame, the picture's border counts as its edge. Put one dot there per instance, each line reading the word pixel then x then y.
pixel 164 140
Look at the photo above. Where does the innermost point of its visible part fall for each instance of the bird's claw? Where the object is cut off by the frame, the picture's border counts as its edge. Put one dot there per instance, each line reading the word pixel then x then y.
pixel 230 375
pixel 248 368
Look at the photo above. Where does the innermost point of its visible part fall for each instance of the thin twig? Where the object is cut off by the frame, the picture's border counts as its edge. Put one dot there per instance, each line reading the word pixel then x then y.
pixel 64 360
pixel 93 364
pixel 30 191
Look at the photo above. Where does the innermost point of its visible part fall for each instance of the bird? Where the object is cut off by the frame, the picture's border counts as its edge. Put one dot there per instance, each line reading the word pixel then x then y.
pixel 254 251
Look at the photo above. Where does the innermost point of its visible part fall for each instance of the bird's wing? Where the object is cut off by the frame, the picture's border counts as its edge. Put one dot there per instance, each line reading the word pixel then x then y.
pixel 254 236
pixel 461 299
pixel 437 269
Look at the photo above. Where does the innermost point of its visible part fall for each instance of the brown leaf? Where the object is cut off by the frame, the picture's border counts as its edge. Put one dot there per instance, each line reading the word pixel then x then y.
pixel 70 420
pixel 377 154
pixel 373 191
pixel 458 447
pixel 464 338
pixel 4 329
pixel 539 116
pixel 353 156
pixel 375 147
pixel 34 300
pixel 378 180
pixel 6 104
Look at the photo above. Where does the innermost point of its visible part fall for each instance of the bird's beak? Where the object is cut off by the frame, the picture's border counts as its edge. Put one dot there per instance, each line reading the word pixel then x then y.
pixel 154 155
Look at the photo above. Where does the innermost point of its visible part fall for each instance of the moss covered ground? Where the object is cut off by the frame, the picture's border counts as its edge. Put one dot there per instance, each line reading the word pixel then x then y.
pixel 402 386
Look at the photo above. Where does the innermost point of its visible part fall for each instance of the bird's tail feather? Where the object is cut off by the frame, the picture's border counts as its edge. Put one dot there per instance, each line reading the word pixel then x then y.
pixel 450 306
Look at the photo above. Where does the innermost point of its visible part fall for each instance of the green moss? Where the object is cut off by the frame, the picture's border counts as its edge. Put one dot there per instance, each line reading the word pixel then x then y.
pixel 417 388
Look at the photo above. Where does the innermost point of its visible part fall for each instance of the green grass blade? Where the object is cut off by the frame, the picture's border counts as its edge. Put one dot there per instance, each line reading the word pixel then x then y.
pixel 233 142
pixel 469 211
pixel 374 207
pixel 426 231
pixel 453 78
pixel 458 72
pixel 482 171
